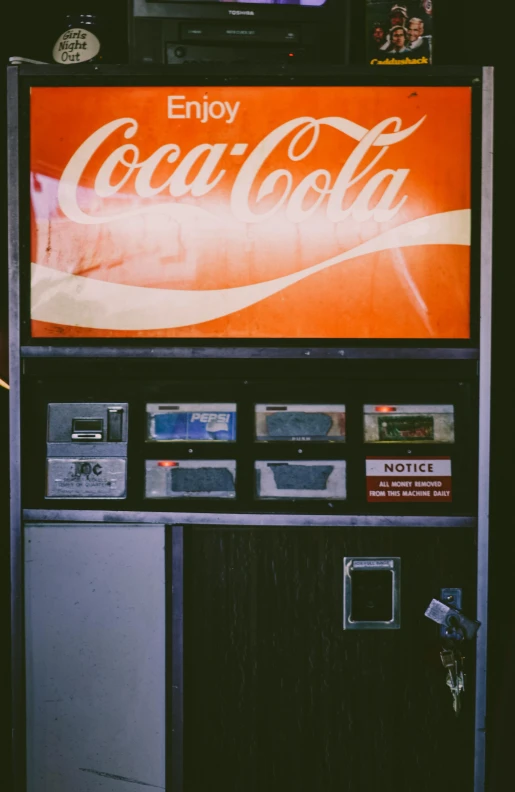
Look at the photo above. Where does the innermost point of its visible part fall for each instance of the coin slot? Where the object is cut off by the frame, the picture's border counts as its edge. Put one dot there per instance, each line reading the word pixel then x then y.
pixel 87 429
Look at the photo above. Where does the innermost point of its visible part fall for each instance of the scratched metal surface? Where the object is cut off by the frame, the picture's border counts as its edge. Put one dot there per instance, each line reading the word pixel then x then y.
pixel 278 697
pixel 95 658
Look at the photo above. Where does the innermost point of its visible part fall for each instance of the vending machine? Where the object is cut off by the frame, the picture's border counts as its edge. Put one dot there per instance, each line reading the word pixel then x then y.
pixel 250 372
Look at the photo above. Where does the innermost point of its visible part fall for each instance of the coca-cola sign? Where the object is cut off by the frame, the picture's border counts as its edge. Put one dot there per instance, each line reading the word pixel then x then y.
pixel 302 212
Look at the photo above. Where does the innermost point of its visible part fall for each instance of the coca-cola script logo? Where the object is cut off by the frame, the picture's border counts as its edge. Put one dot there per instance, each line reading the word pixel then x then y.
pixel 309 185
pixel 387 182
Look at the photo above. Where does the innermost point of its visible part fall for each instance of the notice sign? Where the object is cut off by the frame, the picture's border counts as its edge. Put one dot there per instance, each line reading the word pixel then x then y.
pixel 409 479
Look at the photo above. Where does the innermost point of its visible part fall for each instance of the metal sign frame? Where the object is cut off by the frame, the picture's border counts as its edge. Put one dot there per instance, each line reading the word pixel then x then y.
pixel 22 347
pixel 304 347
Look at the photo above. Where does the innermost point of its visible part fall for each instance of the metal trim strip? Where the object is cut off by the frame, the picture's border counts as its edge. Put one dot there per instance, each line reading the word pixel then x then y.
pixel 18 743
pixel 58 75
pixel 263 520
pixel 174 553
pixel 300 353
pixel 484 426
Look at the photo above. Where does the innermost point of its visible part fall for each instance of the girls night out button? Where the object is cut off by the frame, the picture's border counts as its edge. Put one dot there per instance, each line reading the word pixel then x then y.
pixel 409 479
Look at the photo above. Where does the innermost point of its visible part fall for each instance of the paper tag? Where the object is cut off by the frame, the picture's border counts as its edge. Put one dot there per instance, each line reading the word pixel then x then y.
pixel 437 611
pixel 368 563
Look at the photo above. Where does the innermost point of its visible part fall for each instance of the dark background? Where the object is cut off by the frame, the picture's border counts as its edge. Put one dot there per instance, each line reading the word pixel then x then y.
pixel 464 34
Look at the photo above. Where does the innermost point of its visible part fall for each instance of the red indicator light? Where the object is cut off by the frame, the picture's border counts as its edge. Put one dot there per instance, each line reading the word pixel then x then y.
pixel 166 463
pixel 386 409
pixel 291 54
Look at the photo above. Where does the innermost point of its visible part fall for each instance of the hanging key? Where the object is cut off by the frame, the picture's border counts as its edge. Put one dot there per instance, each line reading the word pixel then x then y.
pixel 462 678
pixel 448 658
pixel 452 661
pixel 455 629
pixel 456 683
pixel 449 662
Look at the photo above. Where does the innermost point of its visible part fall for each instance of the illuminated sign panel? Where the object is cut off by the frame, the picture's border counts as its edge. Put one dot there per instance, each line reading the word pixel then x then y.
pixel 251 212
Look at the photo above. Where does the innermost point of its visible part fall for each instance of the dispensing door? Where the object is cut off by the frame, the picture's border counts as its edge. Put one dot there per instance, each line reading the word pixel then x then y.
pixel 309 663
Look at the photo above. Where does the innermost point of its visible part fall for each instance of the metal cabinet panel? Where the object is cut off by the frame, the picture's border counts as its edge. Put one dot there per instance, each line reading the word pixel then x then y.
pixel 95 657
pixel 278 696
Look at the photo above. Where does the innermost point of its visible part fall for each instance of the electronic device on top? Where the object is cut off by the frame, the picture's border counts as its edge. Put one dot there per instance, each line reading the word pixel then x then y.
pixel 274 31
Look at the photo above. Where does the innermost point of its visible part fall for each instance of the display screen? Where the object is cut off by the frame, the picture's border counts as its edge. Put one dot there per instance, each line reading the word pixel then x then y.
pixel 88 425
pixel 251 212
pixel 255 2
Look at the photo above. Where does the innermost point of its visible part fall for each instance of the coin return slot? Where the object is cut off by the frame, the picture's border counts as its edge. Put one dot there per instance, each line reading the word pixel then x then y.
pixel 114 425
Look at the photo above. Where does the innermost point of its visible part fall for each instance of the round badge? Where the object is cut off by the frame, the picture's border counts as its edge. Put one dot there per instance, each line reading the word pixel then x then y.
pixel 76 46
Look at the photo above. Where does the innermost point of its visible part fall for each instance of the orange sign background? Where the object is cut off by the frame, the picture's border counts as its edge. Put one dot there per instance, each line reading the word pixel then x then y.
pixel 151 258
